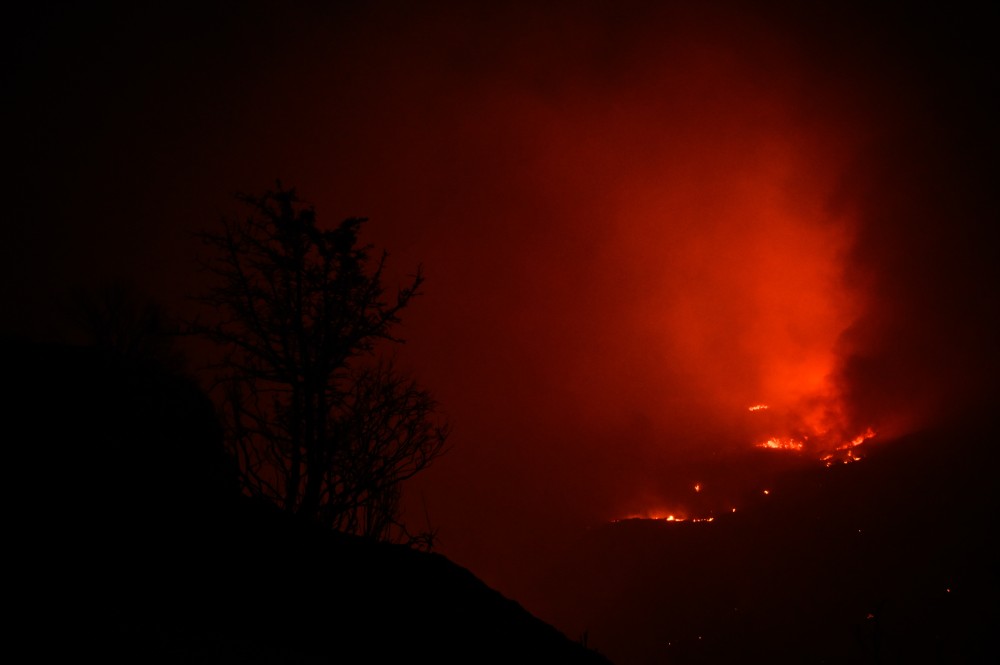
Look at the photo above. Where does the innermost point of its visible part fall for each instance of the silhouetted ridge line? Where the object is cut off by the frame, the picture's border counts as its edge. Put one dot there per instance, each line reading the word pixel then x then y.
pixel 133 543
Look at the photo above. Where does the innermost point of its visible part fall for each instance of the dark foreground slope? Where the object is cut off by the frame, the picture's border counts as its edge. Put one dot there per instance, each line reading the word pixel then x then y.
pixel 130 543
pixel 889 560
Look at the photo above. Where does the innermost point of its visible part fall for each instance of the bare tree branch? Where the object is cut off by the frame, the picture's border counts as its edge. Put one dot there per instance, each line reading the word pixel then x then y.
pixel 318 424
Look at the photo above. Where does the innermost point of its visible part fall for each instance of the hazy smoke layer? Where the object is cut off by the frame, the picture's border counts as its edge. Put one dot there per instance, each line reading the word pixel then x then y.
pixel 636 221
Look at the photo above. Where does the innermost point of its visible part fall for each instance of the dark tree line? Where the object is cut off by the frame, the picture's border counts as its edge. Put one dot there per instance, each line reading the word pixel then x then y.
pixel 319 422
pixel 120 319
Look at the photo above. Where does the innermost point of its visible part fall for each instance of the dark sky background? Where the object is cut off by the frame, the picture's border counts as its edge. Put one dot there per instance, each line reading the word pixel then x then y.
pixel 636 219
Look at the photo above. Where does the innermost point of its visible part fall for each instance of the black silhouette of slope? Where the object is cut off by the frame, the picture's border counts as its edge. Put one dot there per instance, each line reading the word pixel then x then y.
pixel 889 560
pixel 131 543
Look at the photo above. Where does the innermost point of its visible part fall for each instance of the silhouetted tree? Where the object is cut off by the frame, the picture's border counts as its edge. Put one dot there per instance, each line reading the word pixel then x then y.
pixel 319 424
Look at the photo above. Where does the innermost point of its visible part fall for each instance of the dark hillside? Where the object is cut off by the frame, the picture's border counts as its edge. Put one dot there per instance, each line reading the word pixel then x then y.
pixel 889 560
pixel 131 543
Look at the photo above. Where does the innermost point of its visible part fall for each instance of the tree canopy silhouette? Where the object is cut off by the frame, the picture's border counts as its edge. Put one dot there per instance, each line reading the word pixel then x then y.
pixel 319 422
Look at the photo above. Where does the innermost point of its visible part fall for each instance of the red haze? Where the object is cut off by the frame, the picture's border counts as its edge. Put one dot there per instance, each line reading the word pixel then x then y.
pixel 630 239
pixel 636 221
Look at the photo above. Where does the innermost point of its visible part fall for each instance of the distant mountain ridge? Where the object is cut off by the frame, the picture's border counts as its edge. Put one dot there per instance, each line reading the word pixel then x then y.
pixel 133 544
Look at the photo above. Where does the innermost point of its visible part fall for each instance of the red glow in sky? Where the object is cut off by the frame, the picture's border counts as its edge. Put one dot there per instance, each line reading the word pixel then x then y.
pixel 636 221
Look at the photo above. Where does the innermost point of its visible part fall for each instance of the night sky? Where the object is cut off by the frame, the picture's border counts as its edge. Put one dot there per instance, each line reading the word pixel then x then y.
pixel 636 220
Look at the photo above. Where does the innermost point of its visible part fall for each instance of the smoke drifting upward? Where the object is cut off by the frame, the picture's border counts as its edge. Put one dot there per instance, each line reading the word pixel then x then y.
pixel 661 193
pixel 652 219
pixel 636 220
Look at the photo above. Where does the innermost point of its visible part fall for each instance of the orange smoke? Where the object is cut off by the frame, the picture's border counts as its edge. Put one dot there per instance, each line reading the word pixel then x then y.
pixel 745 261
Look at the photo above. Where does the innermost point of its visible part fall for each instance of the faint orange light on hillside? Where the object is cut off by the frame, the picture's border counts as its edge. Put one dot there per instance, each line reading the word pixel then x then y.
pixel 847 452
pixel 776 443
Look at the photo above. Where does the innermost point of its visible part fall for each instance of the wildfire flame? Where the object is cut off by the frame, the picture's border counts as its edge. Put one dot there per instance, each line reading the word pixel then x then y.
pixel 668 518
pixel 823 442
pixel 822 438
pixel 776 443
pixel 846 452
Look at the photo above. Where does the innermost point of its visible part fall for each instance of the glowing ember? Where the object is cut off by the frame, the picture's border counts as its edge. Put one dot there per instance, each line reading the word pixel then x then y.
pixel 846 453
pixel 819 428
pixel 663 517
pixel 775 443
pixel 815 437
pixel 858 440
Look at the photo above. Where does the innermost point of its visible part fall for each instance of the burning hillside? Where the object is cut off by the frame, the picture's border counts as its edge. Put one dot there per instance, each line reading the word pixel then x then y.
pixel 806 438
pixel 816 437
